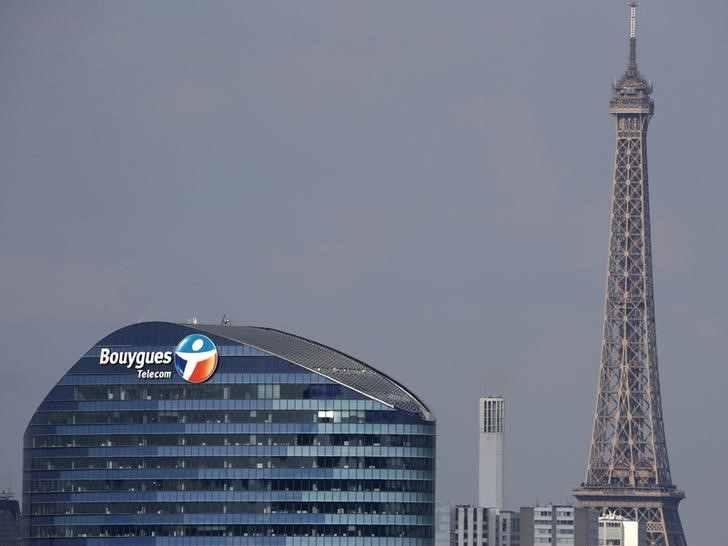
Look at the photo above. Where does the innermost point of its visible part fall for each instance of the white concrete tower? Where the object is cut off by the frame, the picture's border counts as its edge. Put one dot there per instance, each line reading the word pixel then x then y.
pixel 490 454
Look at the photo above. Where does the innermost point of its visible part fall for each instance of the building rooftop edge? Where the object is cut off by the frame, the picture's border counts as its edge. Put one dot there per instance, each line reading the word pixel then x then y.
pixel 324 360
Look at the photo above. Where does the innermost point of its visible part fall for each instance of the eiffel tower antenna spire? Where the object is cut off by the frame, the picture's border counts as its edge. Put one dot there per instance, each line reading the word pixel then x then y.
pixel 632 37
pixel 628 473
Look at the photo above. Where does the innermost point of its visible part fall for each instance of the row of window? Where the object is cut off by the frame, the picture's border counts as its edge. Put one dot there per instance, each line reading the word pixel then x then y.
pixel 287 507
pixel 313 530
pixel 243 428
pixel 87 486
pixel 219 417
pixel 84 406
pixel 233 473
pixel 223 439
pixel 240 391
pixel 98 463
pixel 184 451
pixel 559 530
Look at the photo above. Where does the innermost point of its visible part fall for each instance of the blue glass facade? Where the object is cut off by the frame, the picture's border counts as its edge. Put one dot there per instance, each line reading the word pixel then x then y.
pixel 288 443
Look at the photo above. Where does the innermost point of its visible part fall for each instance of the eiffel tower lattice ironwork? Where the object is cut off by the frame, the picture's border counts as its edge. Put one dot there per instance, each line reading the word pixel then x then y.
pixel 628 472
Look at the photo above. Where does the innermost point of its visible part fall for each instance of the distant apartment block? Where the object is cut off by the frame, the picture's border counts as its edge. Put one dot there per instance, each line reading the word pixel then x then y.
pixel 482 526
pixel 559 525
pixel 444 518
pixel 614 530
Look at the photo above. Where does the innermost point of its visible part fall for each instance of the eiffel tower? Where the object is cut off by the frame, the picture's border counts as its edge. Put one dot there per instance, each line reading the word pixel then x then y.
pixel 628 472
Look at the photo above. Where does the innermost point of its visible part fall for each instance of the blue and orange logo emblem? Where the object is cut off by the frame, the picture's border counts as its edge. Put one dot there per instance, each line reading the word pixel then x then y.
pixel 195 358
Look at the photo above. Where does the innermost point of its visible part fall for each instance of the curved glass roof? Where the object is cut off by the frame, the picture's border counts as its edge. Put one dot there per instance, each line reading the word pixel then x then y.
pixel 323 360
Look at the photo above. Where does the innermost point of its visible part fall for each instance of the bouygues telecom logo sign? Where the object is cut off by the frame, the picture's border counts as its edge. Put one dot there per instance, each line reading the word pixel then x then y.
pixel 195 359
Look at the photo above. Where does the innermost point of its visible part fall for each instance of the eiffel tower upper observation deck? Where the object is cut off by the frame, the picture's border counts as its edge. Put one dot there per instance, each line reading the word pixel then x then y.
pixel 628 472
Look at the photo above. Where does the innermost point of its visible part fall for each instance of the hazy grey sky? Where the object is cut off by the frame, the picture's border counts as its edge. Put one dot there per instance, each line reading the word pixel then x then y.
pixel 424 185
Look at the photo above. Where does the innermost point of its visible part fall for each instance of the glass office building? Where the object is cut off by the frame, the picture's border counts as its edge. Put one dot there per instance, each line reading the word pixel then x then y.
pixel 182 434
